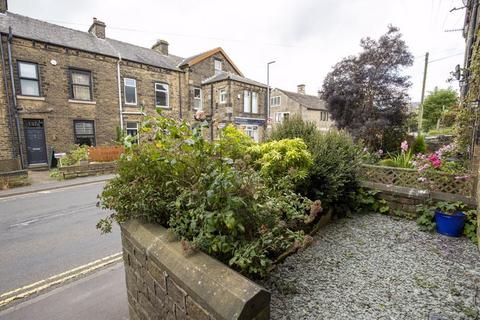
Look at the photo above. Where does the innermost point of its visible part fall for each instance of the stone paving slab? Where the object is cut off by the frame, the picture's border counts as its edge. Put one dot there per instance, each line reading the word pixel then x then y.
pixel 379 267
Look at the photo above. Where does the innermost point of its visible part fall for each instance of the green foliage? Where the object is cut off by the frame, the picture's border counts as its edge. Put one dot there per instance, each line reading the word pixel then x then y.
pixel 296 127
pixel 55 173
pixel 450 207
pixel 401 160
pixel 274 159
pixel 436 103
pixel 336 161
pixel 442 131
pixel 426 217
pixel 367 201
pixel 419 145
pixel 75 155
pixel 214 203
pixel 471 225
pixel 234 143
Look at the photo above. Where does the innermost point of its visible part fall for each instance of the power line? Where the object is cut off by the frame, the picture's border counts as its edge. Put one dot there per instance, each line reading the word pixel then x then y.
pixel 447 57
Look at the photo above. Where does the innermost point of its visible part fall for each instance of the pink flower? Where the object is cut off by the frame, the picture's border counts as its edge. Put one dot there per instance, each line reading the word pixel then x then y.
pixel 435 160
pixel 379 152
pixel 404 146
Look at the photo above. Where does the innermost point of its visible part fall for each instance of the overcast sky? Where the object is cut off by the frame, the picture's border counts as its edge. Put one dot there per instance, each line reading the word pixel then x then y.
pixel 305 37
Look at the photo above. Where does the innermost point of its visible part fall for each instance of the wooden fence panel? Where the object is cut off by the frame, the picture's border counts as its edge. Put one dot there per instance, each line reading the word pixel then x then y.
pixel 105 153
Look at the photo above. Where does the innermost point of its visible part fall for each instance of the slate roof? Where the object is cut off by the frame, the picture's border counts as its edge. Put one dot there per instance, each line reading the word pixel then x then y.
pixel 26 27
pixel 230 76
pixel 308 101
pixel 204 55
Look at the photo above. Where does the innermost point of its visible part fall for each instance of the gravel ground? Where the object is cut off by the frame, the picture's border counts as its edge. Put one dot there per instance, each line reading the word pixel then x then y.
pixel 378 267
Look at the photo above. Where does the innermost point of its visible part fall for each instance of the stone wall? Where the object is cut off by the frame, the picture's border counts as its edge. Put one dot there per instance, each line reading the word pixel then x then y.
pixel 13 179
pixel 165 283
pixel 403 201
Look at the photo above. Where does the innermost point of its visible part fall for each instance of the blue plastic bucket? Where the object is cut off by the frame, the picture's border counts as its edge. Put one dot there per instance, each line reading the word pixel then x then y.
pixel 450 225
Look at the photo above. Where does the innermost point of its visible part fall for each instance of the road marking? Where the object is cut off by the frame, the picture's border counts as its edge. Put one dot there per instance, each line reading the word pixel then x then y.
pixel 41 285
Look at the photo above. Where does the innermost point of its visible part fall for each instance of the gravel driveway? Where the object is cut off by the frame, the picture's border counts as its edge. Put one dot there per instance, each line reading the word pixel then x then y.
pixel 378 267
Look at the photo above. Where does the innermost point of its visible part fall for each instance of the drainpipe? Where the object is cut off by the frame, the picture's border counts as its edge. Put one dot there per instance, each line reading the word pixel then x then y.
pixel 15 107
pixel 211 112
pixel 180 93
pixel 120 106
pixel 9 105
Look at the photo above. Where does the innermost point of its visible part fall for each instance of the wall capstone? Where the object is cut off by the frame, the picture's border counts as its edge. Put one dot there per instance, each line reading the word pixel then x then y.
pixel 164 283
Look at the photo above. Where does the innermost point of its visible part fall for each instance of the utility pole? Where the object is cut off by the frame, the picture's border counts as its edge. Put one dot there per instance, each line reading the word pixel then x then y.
pixel 420 111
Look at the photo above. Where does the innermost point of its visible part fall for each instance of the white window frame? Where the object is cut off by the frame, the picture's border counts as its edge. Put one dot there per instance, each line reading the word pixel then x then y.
pixel 167 91
pixel 280 116
pixel 125 91
pixel 200 99
pixel 22 77
pixel 276 98
pixel 254 102
pixel 247 101
pixel 222 96
pixel 217 65
pixel 252 132
pixel 136 128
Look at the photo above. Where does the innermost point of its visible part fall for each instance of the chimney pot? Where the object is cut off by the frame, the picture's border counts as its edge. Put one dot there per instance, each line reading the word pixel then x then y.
pixel 161 46
pixel 97 28
pixel 3 6
pixel 301 88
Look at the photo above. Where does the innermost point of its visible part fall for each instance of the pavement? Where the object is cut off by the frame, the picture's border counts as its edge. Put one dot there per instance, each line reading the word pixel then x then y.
pixel 41 183
pixel 101 295
pixel 49 244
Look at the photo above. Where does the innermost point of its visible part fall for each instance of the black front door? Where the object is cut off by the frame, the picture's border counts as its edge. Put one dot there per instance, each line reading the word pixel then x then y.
pixel 35 140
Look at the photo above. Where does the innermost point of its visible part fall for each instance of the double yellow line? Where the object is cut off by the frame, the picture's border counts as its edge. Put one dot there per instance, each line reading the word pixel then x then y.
pixel 41 285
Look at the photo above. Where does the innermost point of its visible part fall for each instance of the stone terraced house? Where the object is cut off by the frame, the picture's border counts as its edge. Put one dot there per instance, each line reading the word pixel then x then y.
pixel 60 87
pixel 284 104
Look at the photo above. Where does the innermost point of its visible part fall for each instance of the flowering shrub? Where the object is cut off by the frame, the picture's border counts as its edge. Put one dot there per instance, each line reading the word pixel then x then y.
pixel 440 161
pixel 402 160
pixel 210 195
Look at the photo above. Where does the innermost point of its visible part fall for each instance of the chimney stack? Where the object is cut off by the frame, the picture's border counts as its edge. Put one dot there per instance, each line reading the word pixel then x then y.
pixel 3 6
pixel 97 28
pixel 301 88
pixel 319 94
pixel 161 46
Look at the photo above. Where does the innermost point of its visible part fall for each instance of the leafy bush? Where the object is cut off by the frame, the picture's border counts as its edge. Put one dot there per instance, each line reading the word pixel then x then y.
pixel 336 161
pixel 295 127
pixel 234 143
pixel 214 203
pixel 402 160
pixel 75 155
pixel 276 158
pixel 419 145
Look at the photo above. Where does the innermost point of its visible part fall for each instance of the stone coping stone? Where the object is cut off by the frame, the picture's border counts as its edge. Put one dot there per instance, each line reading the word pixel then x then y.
pixel 15 173
pixel 223 292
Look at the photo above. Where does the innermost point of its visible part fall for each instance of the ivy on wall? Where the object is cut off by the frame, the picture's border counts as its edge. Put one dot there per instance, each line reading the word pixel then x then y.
pixel 466 117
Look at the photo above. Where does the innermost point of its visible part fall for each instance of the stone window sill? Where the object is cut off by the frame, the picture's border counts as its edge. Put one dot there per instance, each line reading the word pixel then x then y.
pixel 82 101
pixel 163 108
pixel 34 98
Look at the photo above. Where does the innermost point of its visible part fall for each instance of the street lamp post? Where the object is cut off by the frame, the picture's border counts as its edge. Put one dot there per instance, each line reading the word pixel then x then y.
pixel 268 88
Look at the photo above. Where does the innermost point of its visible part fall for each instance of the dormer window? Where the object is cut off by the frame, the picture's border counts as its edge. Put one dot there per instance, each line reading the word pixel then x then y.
pixel 218 66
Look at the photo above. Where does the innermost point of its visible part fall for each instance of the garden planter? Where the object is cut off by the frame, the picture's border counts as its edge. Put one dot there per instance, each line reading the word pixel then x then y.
pixel 450 224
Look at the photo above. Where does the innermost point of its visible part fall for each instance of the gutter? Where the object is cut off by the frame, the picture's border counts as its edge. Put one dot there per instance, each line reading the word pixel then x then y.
pixel 15 107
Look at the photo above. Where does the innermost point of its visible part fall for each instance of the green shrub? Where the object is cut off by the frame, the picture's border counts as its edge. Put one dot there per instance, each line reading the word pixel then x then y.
pixel 401 160
pixel 336 161
pixel 75 155
pixel 234 143
pixel 213 203
pixel 295 127
pixel 275 159
pixel 419 145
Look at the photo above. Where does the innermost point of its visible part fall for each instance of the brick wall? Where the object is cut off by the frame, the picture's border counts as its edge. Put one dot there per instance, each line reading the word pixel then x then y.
pixel 164 283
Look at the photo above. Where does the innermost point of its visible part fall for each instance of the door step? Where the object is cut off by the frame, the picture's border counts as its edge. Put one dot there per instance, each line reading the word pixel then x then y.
pixel 38 167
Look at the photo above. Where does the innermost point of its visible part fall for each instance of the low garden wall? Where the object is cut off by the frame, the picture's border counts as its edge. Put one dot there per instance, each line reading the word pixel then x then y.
pixel 411 178
pixel 13 179
pixel 163 282
pixel 403 201
pixel 8 165
pixel 90 169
